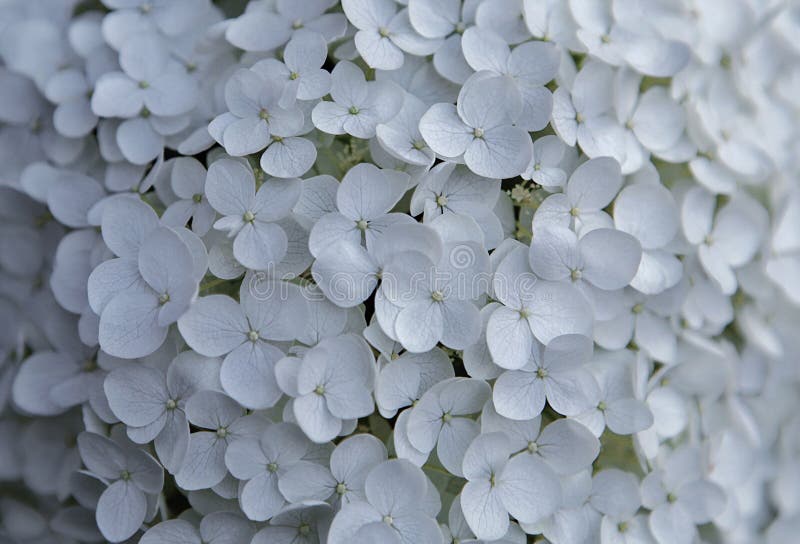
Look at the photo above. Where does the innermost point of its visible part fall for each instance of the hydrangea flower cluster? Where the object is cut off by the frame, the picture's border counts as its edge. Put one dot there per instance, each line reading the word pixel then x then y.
pixel 399 271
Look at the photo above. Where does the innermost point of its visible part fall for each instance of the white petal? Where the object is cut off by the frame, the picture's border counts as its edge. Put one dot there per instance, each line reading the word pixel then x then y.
pixel 518 395
pixel 204 466
pixel 138 141
pixel 315 419
pixel 307 481
pixel 594 184
pixel 120 511
pixel 260 245
pixel 38 374
pixel 173 531
pixel 566 313
pixel 503 152
pixel 377 51
pixel 214 325
pixel 571 393
pixel 647 212
pixel 248 375
pixel 509 338
pixel 137 394
pixel 129 326
pixel 369 14
pixel 697 214
pixel 289 157
pixel 126 223
pixel 444 131
pixel 610 258
pixel 454 438
pixel 628 416
pixel 260 497
pixel 419 326
pixel 529 489
pixel 554 252
pixel 655 335
pixel 484 510
pixel 567 446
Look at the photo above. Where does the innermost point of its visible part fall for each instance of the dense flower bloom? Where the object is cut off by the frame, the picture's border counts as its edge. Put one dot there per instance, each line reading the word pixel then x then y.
pixel 399 271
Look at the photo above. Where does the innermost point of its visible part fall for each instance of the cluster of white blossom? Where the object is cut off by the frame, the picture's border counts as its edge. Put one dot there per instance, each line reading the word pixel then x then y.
pixel 399 271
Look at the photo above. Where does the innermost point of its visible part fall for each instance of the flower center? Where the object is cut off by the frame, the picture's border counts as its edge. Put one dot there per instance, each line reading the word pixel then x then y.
pixel 145 7
pixel 478 132
pixel 384 32
pixel 171 404
pixel 579 117
pixel 304 529
pixel 388 520
pixel 143 84
pixel 362 225
pixel 574 212
pixel 353 110
pixel 341 489
pixel 293 76
pixel 222 432
pixel 708 240
pixel 492 480
pixel 460 27
pixel 637 308
pixel 602 406
pixel 198 197
pixel 263 114
pixel 622 526
pixel 125 475
pixel 418 145
pixel 319 390
pixel 252 336
pixel 575 275
pixel 163 299
pixel 441 201
pixel 272 467
pixel 297 23
pixel 541 373
pixel 438 296
pixel 533 447
pixel 447 417
pixel 249 217
pixel 671 498
pixel 144 113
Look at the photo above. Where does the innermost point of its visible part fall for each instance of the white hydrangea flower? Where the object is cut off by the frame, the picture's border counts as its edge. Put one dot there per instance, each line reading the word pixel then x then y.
pixel 332 383
pixel 226 423
pixel 439 419
pixel 260 463
pixel 679 497
pixel 270 25
pixel 215 528
pixel 152 403
pixel 383 34
pixel 529 66
pixel 497 486
pixel 480 128
pixel 251 217
pixel 261 105
pixel 393 510
pixel 358 105
pixel 555 373
pixel 130 473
